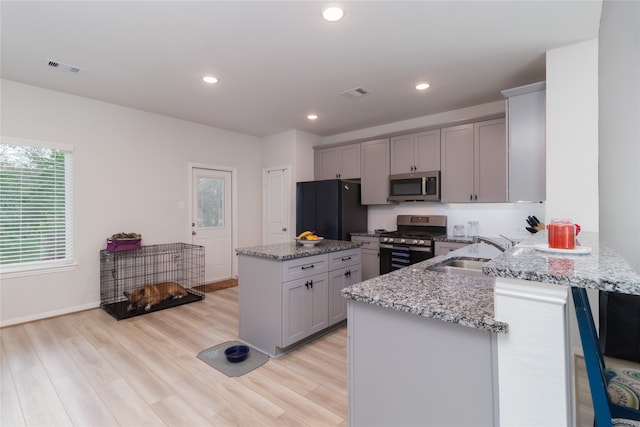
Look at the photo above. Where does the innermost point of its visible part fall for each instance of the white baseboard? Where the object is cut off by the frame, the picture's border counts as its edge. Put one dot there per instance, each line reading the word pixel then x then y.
pixel 54 313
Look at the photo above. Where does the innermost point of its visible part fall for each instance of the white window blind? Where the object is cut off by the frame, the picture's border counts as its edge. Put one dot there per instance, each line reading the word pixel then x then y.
pixel 35 204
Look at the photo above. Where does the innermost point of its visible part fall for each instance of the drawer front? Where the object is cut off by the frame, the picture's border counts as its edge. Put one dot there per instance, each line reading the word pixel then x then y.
pixel 304 267
pixel 367 242
pixel 344 259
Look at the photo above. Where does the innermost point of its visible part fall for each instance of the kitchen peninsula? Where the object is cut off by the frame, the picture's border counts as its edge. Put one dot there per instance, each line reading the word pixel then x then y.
pixel 429 348
pixel 288 292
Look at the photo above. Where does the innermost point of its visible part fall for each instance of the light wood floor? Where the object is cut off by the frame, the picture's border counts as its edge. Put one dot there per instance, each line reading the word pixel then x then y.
pixel 88 369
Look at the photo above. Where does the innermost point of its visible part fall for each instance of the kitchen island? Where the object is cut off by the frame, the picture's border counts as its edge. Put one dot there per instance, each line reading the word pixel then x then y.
pixel 421 346
pixel 465 351
pixel 289 293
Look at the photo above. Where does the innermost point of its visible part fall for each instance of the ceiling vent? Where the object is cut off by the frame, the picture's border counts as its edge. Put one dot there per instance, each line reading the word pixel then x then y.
pixel 355 93
pixel 64 67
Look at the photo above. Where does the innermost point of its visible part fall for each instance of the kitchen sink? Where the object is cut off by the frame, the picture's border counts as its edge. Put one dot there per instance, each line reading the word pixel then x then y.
pixel 467 267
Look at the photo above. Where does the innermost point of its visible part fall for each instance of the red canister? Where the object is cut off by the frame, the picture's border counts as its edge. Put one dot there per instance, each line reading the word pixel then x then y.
pixel 562 234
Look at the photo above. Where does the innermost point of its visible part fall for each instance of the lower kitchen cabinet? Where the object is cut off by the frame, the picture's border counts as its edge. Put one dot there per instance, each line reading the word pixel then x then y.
pixel 304 308
pixel 344 270
pixel 370 256
pixel 338 280
pixel 284 302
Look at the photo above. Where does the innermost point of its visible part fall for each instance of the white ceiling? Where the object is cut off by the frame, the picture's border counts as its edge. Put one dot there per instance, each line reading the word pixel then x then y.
pixel 279 61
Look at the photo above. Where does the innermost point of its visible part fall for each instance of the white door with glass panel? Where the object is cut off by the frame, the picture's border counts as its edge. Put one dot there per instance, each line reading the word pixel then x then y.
pixel 211 223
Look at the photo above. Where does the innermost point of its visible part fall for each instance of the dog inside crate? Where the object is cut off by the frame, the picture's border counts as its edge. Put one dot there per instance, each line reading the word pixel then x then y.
pixel 149 279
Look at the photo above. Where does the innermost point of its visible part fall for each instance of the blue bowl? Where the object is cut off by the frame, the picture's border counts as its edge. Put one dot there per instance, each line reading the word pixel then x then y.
pixel 237 353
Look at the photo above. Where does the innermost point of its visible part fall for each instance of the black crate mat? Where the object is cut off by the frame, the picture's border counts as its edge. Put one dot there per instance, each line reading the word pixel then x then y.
pixel 119 309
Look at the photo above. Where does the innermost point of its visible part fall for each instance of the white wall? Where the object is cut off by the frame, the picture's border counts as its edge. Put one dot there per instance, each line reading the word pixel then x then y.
pixel 445 118
pixel 130 174
pixel 572 146
pixel 572 134
pixel 619 79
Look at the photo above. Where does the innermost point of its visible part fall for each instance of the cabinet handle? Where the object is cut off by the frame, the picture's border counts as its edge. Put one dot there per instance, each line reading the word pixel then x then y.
pixel 307 284
pixel 475 197
pixel 470 196
pixel 347 258
pixel 311 283
pixel 306 267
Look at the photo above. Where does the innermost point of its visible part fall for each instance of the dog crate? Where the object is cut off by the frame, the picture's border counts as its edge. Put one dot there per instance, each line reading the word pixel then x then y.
pixel 126 271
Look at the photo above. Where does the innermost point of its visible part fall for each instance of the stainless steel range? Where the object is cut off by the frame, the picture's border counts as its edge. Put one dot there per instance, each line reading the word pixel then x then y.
pixel 412 242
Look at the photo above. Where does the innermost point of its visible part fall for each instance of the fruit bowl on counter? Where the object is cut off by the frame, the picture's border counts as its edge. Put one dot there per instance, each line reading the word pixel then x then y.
pixel 308 238
pixel 305 242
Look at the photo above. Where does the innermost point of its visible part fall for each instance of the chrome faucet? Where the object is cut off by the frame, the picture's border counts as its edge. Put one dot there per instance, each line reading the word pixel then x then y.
pixel 478 239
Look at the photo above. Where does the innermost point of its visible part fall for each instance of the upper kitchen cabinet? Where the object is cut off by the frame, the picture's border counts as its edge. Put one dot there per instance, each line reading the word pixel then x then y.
pixel 474 162
pixel 526 140
pixel 418 152
pixel 374 185
pixel 341 162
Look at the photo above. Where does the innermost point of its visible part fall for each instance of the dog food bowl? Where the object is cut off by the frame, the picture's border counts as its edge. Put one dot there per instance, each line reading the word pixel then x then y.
pixel 237 353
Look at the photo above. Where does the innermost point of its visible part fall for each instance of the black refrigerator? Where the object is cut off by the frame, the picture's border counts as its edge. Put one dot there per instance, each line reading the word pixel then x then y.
pixel 331 208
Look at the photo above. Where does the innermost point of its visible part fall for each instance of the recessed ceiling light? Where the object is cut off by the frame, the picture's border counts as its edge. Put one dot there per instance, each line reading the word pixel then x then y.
pixel 210 79
pixel 332 13
pixel 312 116
pixel 422 86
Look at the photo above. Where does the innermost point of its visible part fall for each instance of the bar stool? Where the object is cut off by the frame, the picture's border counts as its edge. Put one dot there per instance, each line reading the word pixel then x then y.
pixel 608 395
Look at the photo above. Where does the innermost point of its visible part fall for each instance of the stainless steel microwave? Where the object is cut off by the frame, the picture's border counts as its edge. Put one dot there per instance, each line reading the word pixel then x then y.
pixel 417 186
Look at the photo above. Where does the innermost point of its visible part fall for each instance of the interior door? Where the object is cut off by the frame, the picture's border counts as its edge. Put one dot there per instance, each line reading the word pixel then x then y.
pixel 211 222
pixel 276 205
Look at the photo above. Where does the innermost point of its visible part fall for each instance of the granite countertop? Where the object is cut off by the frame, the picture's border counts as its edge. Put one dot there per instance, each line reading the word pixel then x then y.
pixel 367 233
pixel 451 239
pixel 293 250
pixel 601 269
pixel 466 300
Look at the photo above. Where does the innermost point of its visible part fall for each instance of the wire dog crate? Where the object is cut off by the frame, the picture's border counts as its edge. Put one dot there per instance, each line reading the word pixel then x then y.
pixel 151 278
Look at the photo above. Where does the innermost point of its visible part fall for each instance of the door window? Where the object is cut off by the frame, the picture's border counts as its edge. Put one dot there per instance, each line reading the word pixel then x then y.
pixel 210 202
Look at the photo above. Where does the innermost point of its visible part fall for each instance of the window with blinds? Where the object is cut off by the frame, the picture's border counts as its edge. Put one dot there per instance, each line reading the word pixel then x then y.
pixel 35 204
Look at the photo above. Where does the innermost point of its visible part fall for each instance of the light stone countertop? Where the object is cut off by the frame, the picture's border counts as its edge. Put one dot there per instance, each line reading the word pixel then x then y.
pixel 603 269
pixel 293 250
pixel 469 300
pixel 455 298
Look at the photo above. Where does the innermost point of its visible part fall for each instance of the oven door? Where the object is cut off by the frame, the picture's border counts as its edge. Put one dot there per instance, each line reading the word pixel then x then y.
pixel 416 254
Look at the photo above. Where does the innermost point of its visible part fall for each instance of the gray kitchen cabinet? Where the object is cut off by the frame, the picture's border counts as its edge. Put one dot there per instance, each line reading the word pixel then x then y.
pixel 525 106
pixel 304 308
pixel 345 270
pixel 474 162
pixel 374 185
pixel 370 256
pixel 418 152
pixel 341 162
pixel 443 248
pixel 284 302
